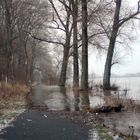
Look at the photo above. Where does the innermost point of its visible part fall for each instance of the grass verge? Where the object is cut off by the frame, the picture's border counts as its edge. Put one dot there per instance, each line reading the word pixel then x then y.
pixel 12 96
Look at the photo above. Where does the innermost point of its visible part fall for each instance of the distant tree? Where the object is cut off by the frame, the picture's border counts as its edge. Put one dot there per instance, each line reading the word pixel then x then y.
pixel 17 18
pixel 64 25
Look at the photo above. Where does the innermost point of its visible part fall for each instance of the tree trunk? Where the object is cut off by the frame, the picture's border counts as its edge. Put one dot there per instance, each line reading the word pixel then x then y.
pixel 84 74
pixel 75 46
pixel 31 66
pixel 26 64
pixel 62 80
pixel 8 37
pixel 63 74
pixel 108 64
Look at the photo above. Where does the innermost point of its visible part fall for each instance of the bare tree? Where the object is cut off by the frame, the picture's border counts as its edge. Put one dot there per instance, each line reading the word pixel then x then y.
pixel 117 23
pixel 7 6
pixel 84 75
pixel 67 29
pixel 19 16
pixel 75 44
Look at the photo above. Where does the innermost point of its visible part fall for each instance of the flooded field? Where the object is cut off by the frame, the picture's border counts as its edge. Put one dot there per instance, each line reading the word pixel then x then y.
pixel 129 84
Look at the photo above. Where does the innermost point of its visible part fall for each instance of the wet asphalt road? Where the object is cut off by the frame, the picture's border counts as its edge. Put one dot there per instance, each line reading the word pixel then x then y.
pixel 35 125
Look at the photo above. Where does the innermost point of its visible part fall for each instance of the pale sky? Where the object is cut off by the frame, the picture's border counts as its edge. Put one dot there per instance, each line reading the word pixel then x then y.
pixel 131 64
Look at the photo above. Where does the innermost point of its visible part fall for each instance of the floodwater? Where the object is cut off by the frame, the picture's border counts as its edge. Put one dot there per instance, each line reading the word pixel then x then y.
pixel 58 98
pixel 128 121
pixel 65 99
pixel 129 84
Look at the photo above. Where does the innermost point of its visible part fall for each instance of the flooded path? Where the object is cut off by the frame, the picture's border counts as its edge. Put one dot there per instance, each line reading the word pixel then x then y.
pixel 59 99
pixel 36 122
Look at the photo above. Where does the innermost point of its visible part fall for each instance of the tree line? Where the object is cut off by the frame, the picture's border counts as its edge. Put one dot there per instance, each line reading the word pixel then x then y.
pixel 18 50
pixel 30 29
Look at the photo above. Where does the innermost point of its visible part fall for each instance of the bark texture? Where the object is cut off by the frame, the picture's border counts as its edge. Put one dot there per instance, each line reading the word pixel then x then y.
pixel 75 45
pixel 62 80
pixel 84 74
pixel 108 64
pixel 9 62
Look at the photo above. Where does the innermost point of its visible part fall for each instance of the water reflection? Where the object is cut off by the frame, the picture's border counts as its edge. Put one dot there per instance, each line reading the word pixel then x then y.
pixel 107 92
pixel 65 99
pixel 76 99
pixel 84 97
pixel 96 101
pixel 56 99
pixel 59 98
pixel 128 86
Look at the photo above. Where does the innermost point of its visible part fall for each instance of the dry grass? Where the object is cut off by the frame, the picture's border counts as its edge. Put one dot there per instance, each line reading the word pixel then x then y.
pixel 12 90
pixel 129 104
pixel 115 101
pixel 12 95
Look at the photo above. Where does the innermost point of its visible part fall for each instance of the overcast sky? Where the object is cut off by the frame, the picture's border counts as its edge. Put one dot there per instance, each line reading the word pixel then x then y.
pixel 131 63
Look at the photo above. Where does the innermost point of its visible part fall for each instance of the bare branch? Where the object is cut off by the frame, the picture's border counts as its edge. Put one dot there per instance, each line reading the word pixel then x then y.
pixel 44 40
pixel 57 13
pixel 122 21
pixel 66 6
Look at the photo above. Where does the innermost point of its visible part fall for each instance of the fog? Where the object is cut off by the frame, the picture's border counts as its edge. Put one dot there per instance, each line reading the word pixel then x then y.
pixel 129 64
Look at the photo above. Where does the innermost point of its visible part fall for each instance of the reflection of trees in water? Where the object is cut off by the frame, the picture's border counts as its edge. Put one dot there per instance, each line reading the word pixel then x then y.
pixel 106 92
pixel 66 101
pixel 37 75
pixel 84 96
pixel 76 100
pixel 107 95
